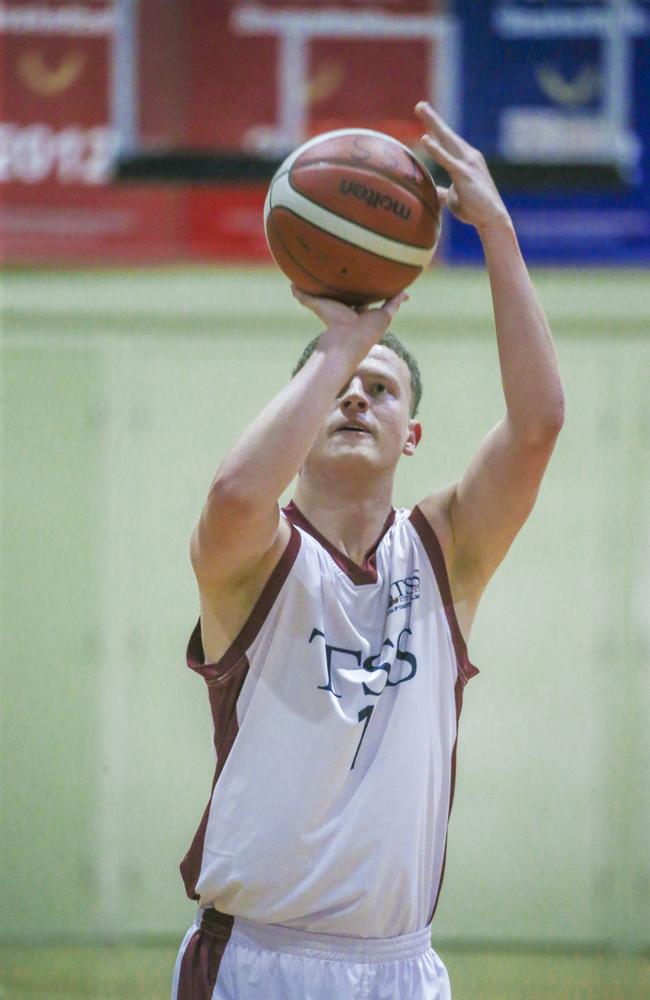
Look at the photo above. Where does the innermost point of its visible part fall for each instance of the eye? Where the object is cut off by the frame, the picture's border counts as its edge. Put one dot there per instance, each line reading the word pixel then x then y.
pixel 378 388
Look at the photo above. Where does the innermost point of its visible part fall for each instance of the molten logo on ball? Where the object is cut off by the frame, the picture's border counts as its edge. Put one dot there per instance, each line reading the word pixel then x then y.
pixel 352 215
pixel 375 199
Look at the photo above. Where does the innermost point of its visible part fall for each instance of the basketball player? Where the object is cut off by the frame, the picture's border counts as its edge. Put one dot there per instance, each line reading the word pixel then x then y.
pixel 332 638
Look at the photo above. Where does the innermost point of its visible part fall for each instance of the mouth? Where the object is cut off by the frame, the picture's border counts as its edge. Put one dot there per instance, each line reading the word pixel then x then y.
pixel 352 428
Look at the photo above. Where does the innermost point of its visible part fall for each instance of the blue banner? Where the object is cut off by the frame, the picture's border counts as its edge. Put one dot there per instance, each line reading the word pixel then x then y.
pixel 557 96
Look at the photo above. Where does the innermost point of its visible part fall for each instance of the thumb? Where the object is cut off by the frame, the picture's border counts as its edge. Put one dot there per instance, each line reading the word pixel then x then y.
pixel 391 306
pixel 443 196
pixel 302 297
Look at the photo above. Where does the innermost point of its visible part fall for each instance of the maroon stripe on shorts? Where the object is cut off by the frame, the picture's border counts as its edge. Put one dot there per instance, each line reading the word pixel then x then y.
pixel 202 956
pixel 225 680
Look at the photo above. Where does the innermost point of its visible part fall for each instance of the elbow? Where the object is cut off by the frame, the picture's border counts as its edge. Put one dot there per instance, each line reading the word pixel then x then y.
pixel 558 413
pixel 542 429
pixel 224 512
pixel 553 420
pixel 228 496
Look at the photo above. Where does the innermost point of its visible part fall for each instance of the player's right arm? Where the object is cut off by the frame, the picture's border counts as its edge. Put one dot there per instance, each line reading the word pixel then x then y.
pixel 240 526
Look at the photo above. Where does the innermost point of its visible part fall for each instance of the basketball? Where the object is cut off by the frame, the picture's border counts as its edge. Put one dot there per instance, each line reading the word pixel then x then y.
pixel 352 215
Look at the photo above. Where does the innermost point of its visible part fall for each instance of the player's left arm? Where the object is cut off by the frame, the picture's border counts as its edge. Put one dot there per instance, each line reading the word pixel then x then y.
pixel 485 510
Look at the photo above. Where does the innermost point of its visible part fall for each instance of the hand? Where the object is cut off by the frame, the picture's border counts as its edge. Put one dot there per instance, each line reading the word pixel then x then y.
pixel 472 197
pixel 370 324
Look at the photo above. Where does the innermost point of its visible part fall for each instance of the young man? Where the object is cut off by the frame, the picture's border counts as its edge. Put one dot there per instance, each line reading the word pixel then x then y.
pixel 332 639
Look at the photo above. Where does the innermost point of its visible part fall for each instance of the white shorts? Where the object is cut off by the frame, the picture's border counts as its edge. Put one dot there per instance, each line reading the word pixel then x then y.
pixel 222 959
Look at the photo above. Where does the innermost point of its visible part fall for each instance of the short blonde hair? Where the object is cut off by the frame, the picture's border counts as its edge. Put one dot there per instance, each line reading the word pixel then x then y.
pixel 390 341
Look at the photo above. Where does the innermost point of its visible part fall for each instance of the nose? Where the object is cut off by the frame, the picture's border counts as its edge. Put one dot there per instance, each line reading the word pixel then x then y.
pixel 354 399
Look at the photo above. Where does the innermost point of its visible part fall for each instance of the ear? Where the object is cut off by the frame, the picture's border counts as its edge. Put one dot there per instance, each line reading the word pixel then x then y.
pixel 413 437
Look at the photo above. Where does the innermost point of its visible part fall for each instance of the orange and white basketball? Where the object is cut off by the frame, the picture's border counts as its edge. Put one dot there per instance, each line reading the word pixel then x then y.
pixel 352 215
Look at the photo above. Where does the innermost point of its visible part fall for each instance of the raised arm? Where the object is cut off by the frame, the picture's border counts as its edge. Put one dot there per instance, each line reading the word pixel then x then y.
pixel 240 522
pixel 482 513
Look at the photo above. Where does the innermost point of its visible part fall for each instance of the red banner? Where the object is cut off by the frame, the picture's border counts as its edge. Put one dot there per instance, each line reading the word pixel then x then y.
pixel 214 74
pixel 57 142
pixel 266 76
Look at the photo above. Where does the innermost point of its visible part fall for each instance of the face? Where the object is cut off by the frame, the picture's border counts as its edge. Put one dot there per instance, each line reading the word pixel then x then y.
pixel 370 423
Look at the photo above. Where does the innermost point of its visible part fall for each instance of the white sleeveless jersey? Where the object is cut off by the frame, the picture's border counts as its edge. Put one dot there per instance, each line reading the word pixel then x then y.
pixel 335 718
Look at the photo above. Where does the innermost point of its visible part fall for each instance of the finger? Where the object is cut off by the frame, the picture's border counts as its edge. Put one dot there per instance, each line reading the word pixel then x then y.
pixel 441 131
pixel 391 306
pixel 440 154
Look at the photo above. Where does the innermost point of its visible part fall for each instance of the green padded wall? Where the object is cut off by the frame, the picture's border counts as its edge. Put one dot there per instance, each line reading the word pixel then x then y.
pixel 51 628
pixel 121 392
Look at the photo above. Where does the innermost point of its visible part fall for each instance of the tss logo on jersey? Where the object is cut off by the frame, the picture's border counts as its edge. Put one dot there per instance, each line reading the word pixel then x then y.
pixel 404 592
pixel 394 664
pixel 397 664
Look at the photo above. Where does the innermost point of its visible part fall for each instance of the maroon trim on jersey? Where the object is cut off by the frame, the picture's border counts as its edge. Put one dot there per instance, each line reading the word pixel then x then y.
pixel 223 692
pixel 429 539
pixel 358 574
pixel 466 669
pixel 237 650
pixel 225 679
pixel 458 698
pixel 202 957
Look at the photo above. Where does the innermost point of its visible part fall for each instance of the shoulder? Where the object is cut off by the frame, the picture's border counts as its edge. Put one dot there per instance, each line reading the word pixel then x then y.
pixel 465 587
pixel 434 511
pixel 228 604
pixel 426 523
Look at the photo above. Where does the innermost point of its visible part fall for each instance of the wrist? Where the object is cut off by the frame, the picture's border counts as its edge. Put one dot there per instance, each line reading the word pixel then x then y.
pixel 347 342
pixel 498 225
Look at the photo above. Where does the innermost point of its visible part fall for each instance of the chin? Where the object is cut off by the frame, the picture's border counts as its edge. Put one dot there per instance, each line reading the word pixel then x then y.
pixel 354 458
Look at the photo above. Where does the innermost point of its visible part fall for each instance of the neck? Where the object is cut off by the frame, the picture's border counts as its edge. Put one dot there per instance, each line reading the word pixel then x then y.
pixel 350 515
